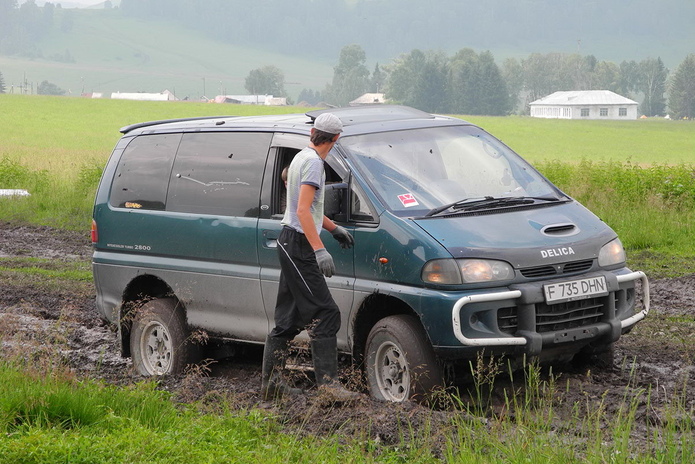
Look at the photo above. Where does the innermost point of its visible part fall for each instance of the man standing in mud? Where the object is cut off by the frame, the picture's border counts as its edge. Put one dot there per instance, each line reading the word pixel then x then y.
pixel 304 301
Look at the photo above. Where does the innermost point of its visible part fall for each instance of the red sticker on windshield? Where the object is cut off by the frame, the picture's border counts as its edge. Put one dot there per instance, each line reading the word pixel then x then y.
pixel 408 200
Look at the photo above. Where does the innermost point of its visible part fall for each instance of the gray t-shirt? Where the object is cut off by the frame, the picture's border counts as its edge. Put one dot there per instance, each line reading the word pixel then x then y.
pixel 305 168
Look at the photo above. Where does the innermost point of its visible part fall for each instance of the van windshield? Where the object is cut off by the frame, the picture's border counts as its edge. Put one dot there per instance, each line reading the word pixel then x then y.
pixel 416 172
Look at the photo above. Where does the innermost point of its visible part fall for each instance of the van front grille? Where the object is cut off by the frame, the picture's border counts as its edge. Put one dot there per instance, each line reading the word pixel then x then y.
pixel 568 315
pixel 540 271
pixel 551 318
pixel 577 266
pixel 566 268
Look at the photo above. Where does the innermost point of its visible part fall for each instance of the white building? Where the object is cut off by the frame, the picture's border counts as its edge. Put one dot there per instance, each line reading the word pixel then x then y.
pixel 162 96
pixel 584 104
pixel 267 100
pixel 369 99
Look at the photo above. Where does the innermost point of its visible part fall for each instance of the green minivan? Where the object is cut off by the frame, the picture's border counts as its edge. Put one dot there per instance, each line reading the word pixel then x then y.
pixel 461 247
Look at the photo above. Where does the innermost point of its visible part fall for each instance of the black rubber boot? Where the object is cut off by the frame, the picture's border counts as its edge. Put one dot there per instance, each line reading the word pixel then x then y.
pixel 324 353
pixel 273 385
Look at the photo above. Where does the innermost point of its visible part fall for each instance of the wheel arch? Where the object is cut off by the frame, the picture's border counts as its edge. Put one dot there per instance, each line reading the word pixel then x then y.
pixel 374 308
pixel 140 290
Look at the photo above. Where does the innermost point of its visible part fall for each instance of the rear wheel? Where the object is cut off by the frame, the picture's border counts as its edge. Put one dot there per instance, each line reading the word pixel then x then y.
pixel 159 338
pixel 400 361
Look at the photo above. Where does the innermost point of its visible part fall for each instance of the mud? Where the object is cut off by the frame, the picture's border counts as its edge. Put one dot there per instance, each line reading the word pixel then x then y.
pixel 59 325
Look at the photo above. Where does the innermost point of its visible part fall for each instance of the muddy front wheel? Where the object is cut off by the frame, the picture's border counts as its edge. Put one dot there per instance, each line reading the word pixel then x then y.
pixel 401 363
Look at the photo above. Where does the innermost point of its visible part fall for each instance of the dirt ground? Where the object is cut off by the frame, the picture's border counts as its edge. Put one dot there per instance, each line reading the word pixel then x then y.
pixel 61 323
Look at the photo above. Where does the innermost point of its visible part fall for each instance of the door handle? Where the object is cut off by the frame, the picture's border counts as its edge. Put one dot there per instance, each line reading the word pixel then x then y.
pixel 271 238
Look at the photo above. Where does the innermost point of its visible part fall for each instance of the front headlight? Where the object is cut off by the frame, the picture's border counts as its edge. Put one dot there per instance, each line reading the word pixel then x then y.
pixel 611 253
pixel 484 270
pixel 458 271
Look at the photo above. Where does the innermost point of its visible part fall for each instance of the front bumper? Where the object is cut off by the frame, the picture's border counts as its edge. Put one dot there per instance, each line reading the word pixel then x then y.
pixel 611 324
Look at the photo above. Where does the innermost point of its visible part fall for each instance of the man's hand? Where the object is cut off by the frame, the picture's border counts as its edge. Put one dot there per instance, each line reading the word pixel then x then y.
pixel 325 262
pixel 341 234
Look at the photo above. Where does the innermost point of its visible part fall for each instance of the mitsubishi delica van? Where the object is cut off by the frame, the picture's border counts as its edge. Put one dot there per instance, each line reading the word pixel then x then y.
pixel 461 247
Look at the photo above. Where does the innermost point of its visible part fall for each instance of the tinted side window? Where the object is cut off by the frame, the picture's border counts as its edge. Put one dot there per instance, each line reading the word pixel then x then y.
pixel 218 173
pixel 143 172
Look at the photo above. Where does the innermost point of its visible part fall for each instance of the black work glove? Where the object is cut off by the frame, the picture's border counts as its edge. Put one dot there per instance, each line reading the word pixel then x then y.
pixel 325 262
pixel 343 237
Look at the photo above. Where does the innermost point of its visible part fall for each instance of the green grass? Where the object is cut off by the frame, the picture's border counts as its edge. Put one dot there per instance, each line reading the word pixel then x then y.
pixel 50 417
pixel 48 269
pixel 642 142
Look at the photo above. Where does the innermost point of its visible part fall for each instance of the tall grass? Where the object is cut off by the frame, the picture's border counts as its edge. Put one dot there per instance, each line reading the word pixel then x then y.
pixel 50 417
pixel 651 207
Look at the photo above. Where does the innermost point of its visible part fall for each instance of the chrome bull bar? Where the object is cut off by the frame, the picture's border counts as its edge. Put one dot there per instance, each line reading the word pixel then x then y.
pixel 513 294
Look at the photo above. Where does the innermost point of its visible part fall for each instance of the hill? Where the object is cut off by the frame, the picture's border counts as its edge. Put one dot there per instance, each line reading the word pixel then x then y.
pixel 195 47
pixel 106 52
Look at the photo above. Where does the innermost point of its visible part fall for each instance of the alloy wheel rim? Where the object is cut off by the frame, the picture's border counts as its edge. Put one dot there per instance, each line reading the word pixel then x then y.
pixel 157 348
pixel 392 374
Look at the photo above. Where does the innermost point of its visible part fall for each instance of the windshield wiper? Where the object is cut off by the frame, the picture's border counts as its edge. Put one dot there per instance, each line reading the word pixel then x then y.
pixel 465 201
pixel 472 204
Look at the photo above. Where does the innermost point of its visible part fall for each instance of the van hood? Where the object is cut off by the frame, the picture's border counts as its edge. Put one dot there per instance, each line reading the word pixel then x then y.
pixel 523 237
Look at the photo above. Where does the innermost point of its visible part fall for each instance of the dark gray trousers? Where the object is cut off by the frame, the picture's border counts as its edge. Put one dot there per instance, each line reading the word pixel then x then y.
pixel 304 301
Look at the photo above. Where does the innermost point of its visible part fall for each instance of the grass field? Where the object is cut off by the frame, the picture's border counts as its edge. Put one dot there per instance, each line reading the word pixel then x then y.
pixel 644 141
pixel 638 176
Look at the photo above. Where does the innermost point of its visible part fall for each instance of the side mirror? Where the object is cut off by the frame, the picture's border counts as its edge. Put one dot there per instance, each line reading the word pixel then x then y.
pixel 335 201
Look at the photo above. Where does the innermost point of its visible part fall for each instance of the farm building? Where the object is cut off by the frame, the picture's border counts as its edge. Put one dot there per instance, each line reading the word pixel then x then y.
pixel 368 99
pixel 584 104
pixel 267 100
pixel 162 96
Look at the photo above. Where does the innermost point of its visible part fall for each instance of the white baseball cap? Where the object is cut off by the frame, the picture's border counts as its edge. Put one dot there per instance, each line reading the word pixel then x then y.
pixel 329 123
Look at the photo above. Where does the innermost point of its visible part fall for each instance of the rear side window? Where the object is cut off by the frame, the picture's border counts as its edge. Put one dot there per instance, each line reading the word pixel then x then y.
pixel 218 173
pixel 143 172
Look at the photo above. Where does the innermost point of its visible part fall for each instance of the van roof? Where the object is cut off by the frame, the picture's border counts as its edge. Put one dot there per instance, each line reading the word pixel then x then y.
pixel 360 119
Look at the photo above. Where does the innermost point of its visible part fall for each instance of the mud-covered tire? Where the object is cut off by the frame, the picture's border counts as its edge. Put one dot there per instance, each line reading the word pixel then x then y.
pixel 400 362
pixel 159 342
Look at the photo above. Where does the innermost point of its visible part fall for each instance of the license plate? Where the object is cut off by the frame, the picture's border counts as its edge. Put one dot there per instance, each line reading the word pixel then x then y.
pixel 575 290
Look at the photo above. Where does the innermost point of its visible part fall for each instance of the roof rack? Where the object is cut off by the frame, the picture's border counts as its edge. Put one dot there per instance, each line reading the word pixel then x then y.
pixel 126 129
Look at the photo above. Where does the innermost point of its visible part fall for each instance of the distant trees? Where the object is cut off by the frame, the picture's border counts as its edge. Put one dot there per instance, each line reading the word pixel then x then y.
pixel 682 90
pixel 377 81
pixel 2 84
pixel 652 83
pixel 48 88
pixel 628 78
pixel 22 26
pixel 513 75
pixel 268 80
pixel 309 96
pixel 350 76
pixel 466 83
